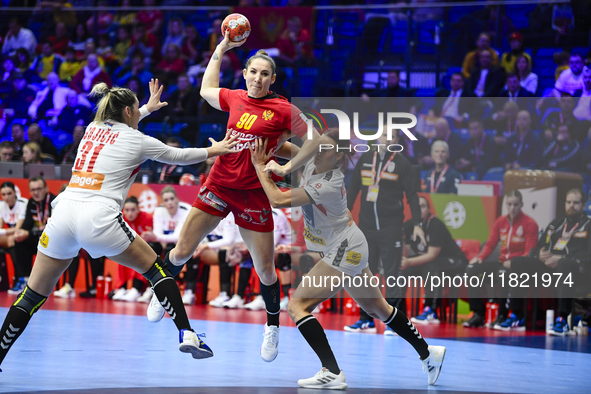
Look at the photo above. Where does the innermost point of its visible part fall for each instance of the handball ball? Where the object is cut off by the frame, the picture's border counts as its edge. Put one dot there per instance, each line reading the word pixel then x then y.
pixel 238 26
pixel 187 180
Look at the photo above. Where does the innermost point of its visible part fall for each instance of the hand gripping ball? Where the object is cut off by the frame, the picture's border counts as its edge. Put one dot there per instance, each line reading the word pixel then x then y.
pixel 238 26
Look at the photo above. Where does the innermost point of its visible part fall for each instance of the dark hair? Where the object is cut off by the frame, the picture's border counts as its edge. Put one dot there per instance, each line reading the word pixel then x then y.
pixel 37 179
pixel 8 184
pixel 6 144
pixel 512 75
pixel 262 54
pixel 515 193
pixel 46 41
pixel 580 192
pixel 476 121
pixel 132 199
pixel 343 146
pixel 112 102
pixel 426 200
pixel 17 124
pixel 459 74
pixel 577 54
pixel 173 140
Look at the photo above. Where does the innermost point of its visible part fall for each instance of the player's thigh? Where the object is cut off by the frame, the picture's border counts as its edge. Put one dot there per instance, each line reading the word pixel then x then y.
pixel 139 256
pixel 261 248
pixel 318 285
pixel 198 224
pixel 46 272
pixel 368 295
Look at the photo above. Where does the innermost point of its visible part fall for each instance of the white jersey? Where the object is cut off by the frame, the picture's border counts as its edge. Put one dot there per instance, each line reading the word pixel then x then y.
pixel 109 157
pixel 225 234
pixel 168 228
pixel 11 216
pixel 327 218
pixel 282 230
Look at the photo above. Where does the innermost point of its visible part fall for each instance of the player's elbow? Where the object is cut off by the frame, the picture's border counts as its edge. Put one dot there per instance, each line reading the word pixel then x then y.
pixel 280 201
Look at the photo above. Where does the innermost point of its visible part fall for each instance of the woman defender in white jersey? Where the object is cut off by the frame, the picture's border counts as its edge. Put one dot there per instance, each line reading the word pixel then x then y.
pixel 330 229
pixel 88 213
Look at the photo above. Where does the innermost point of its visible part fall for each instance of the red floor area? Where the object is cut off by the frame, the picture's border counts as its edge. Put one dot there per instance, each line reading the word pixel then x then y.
pixel 331 321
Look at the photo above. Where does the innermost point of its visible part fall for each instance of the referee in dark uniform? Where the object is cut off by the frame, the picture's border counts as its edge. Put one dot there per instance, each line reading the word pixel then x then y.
pixel 383 177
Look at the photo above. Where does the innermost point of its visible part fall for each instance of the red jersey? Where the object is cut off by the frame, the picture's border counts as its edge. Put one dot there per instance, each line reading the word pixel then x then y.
pixel 143 222
pixel 252 118
pixel 517 237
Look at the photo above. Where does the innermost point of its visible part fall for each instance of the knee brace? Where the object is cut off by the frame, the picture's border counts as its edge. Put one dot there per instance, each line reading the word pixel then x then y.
pixel 29 301
pixel 158 272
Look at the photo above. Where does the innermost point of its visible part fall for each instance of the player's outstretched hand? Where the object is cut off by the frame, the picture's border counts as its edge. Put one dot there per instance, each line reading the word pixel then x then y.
pixel 223 147
pixel 227 44
pixel 258 152
pixel 154 103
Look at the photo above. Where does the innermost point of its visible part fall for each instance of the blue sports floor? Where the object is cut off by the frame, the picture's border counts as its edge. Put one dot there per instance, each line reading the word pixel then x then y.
pixel 83 352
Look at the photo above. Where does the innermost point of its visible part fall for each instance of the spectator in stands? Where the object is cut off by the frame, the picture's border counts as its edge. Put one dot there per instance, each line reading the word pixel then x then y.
pixel 73 114
pixel 18 37
pixel 89 76
pixel 8 69
pixel 513 88
pixel 183 101
pixel 105 19
pixel 518 234
pixel 146 44
pixel 505 123
pixel 457 106
pixel 522 150
pixel 135 85
pixel 440 254
pixel 508 60
pixel 23 65
pixel 453 140
pixel 172 64
pixel 294 43
pixel 563 248
pixel 16 105
pixel 443 178
pixel 61 39
pixel 583 109
pixel 563 153
pixel 394 89
pixel 105 51
pixel 69 152
pixel 176 34
pixel 566 116
pixel 563 22
pixel 27 237
pixel 561 59
pixel 121 49
pixel 527 79
pixel 471 58
pixel 50 101
pixel 47 62
pixel 479 152
pixel 47 147
pixel 192 45
pixel 571 79
pixel 78 43
pixel 18 139
pixel 70 66
pixel 169 173
pixel 139 70
pixel 150 17
pixel 125 18
pixel 486 80
pixel 31 154
pixel 6 151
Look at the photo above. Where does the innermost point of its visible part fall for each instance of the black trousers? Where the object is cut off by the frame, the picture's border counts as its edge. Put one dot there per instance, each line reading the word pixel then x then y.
pixel 24 254
pixel 500 293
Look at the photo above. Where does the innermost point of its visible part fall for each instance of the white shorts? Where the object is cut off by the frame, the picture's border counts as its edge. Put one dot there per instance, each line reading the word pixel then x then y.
pixel 350 254
pixel 95 226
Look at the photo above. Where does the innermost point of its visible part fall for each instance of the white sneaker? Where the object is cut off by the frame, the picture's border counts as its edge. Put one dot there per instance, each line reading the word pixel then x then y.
pixel 188 297
pixel 433 363
pixel 258 304
pixel 192 343
pixel 236 302
pixel 147 296
pixel 131 295
pixel 218 302
pixel 65 292
pixel 270 346
pixel 324 380
pixel 284 302
pixel 155 310
pixel 119 294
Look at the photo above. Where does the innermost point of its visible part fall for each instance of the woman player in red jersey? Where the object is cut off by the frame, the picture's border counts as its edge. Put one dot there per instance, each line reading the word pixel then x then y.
pixel 233 185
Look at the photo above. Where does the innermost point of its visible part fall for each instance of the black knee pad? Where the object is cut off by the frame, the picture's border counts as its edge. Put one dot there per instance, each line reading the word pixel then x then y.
pixel 159 271
pixel 29 301
pixel 284 261
pixel 306 263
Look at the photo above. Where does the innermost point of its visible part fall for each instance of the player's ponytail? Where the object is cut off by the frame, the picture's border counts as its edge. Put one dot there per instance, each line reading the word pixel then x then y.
pixel 262 54
pixel 112 102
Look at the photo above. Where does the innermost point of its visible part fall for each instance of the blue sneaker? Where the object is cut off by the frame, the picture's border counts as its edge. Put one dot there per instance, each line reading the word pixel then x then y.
pixel 390 332
pixel 427 317
pixel 192 343
pixel 560 328
pixel 511 324
pixel 18 287
pixel 362 326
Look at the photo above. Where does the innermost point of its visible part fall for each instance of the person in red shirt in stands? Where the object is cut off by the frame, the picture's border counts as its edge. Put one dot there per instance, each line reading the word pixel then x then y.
pixel 518 234
pixel 233 185
pixel 294 43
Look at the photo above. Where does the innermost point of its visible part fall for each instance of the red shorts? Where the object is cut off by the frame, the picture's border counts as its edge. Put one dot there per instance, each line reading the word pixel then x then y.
pixel 251 207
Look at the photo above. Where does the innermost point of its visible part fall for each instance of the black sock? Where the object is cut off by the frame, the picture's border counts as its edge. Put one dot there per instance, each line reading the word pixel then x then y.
pixel 272 300
pixel 314 334
pixel 174 269
pixel 225 272
pixel 138 284
pixel 285 289
pixel 168 293
pixel 404 327
pixel 243 279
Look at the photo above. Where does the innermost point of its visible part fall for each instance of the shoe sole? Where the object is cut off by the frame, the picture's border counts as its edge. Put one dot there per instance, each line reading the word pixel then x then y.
pixel 342 386
pixel 557 334
pixel 390 334
pixel 471 326
pixel 367 330
pixel 416 321
pixel 439 369
pixel 197 353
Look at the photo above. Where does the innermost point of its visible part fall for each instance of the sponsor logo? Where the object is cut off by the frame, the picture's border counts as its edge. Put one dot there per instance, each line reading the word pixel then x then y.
pixel 86 180
pixel 519 232
pixel 44 240
pixel 240 107
pixel 318 185
pixel 251 210
pixel 268 114
pixel 266 211
pixel 245 216
pixel 310 237
pixel 454 214
pixel 353 258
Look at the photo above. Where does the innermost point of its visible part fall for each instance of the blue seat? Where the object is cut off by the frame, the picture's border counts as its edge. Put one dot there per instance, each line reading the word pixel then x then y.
pixel 470 176
pixel 152 129
pixel 494 174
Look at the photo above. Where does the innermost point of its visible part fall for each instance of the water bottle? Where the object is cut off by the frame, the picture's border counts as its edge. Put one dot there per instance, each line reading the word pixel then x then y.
pixel 549 320
pixel 108 285
pixel 100 287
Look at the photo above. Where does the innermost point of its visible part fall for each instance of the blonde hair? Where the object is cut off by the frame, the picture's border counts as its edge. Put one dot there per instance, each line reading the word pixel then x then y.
pixel 112 102
pixel 167 189
pixel 35 148
pixel 262 54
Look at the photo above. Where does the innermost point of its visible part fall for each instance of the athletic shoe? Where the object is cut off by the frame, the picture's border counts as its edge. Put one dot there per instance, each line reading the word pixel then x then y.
pixel 131 295
pixel 283 303
pixel 218 302
pixel 433 363
pixel 188 297
pixel 192 343
pixel 65 292
pixel 270 346
pixel 119 294
pixel 18 287
pixel 155 310
pixel 475 321
pixel 511 324
pixel 390 332
pixel 147 296
pixel 362 326
pixel 90 293
pixel 427 317
pixel 560 328
pixel 324 380
pixel 258 304
pixel 498 321
pixel 236 302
